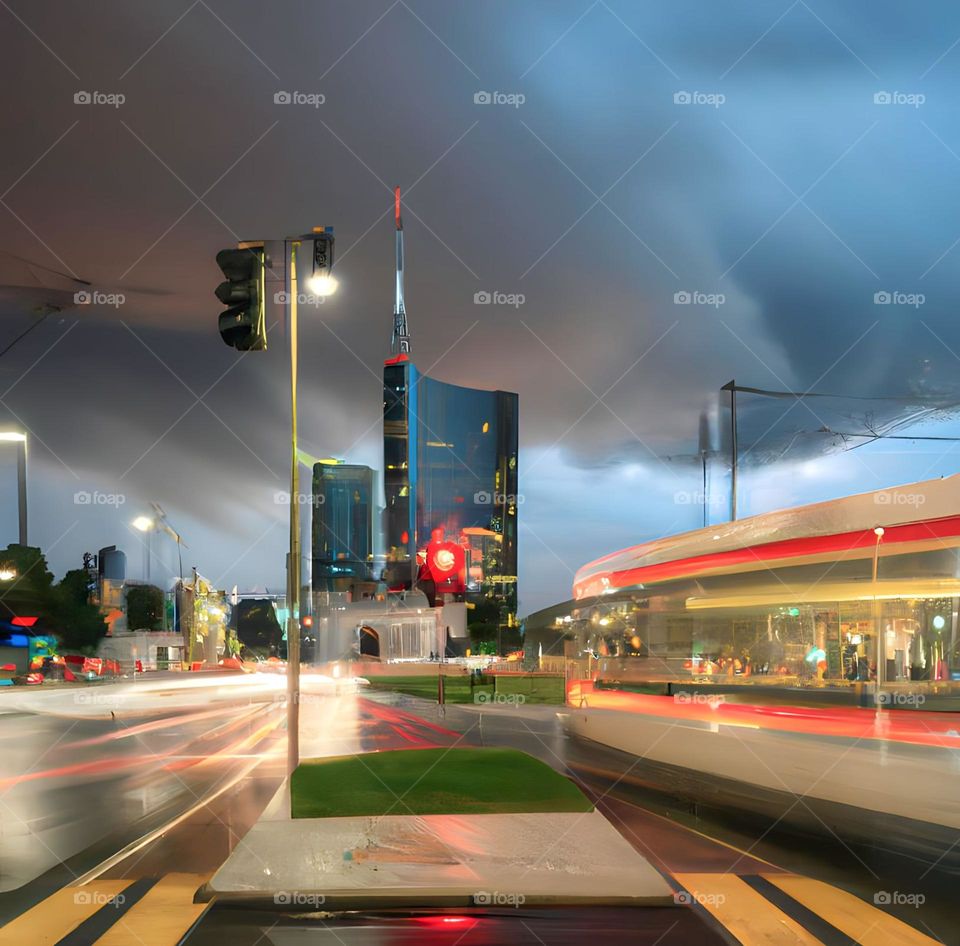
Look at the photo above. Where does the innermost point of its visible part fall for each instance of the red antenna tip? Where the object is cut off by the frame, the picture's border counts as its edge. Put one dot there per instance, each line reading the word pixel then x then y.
pixel 396 207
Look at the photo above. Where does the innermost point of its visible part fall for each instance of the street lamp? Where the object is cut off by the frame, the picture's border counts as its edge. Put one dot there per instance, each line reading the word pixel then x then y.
pixel 7 573
pixel 322 283
pixel 20 438
pixel 151 524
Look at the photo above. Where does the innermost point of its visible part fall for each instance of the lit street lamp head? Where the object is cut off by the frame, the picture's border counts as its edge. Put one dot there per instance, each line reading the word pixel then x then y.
pixel 13 436
pixel 322 284
pixel 143 523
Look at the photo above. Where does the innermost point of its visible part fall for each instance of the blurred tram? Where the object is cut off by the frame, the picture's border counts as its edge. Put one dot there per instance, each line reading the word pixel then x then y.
pixel 805 654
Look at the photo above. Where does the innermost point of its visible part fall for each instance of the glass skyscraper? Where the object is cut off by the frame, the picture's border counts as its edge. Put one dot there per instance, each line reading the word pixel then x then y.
pixel 343 513
pixel 450 475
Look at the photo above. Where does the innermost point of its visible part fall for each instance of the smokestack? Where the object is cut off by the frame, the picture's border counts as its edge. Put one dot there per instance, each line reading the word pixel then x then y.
pixel 400 343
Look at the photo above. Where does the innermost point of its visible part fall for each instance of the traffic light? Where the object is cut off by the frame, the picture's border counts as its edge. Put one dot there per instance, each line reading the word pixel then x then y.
pixel 244 324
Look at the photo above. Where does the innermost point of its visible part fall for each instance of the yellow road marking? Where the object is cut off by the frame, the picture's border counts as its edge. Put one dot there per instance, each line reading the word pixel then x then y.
pixel 749 916
pixel 60 913
pixel 859 920
pixel 162 916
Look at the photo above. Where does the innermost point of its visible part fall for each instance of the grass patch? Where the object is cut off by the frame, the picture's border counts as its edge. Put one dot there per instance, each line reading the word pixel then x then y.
pixel 457 689
pixel 431 782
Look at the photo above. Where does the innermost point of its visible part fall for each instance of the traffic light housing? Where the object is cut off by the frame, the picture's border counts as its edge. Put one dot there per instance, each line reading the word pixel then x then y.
pixel 244 324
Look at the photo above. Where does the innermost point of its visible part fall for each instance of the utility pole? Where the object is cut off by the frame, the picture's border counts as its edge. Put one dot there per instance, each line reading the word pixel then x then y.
pixel 731 386
pixel 293 555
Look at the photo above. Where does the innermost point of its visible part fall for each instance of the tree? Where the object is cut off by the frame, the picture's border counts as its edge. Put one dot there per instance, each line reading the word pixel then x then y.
pixel 144 608
pixel 80 625
pixel 257 626
pixel 62 609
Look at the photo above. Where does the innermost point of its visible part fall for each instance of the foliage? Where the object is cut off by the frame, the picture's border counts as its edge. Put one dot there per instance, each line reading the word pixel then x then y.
pixel 144 608
pixel 79 624
pixel 257 626
pixel 62 608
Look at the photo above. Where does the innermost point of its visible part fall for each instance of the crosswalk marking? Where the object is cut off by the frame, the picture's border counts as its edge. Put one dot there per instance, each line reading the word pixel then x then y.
pixel 744 912
pixel 162 916
pixel 861 921
pixel 61 913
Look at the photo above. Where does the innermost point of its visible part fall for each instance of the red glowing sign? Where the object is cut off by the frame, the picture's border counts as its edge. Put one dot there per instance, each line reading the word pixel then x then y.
pixel 447 565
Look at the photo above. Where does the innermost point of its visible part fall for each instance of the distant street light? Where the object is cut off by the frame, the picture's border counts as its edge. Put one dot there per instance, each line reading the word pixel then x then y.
pixel 155 523
pixel 20 438
pixel 7 574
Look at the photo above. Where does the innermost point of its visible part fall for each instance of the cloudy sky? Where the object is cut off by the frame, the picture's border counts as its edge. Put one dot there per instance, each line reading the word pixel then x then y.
pixel 674 194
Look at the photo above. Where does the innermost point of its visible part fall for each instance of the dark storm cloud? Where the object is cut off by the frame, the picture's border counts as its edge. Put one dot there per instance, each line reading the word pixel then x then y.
pixel 598 200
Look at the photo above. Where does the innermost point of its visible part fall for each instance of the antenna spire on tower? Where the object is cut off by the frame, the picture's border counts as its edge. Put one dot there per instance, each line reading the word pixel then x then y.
pixel 400 343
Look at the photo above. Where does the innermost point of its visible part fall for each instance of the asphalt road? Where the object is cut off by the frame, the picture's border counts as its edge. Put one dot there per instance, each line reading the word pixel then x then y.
pixel 118 790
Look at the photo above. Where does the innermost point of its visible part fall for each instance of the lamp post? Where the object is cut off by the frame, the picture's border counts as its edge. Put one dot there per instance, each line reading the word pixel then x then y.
pixel 321 283
pixel 20 438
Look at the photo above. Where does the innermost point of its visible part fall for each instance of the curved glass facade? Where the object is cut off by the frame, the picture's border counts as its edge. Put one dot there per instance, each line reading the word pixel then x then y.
pixel 450 473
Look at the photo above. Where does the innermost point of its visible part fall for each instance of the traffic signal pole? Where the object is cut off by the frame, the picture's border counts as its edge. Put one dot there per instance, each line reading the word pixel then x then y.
pixel 293 556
